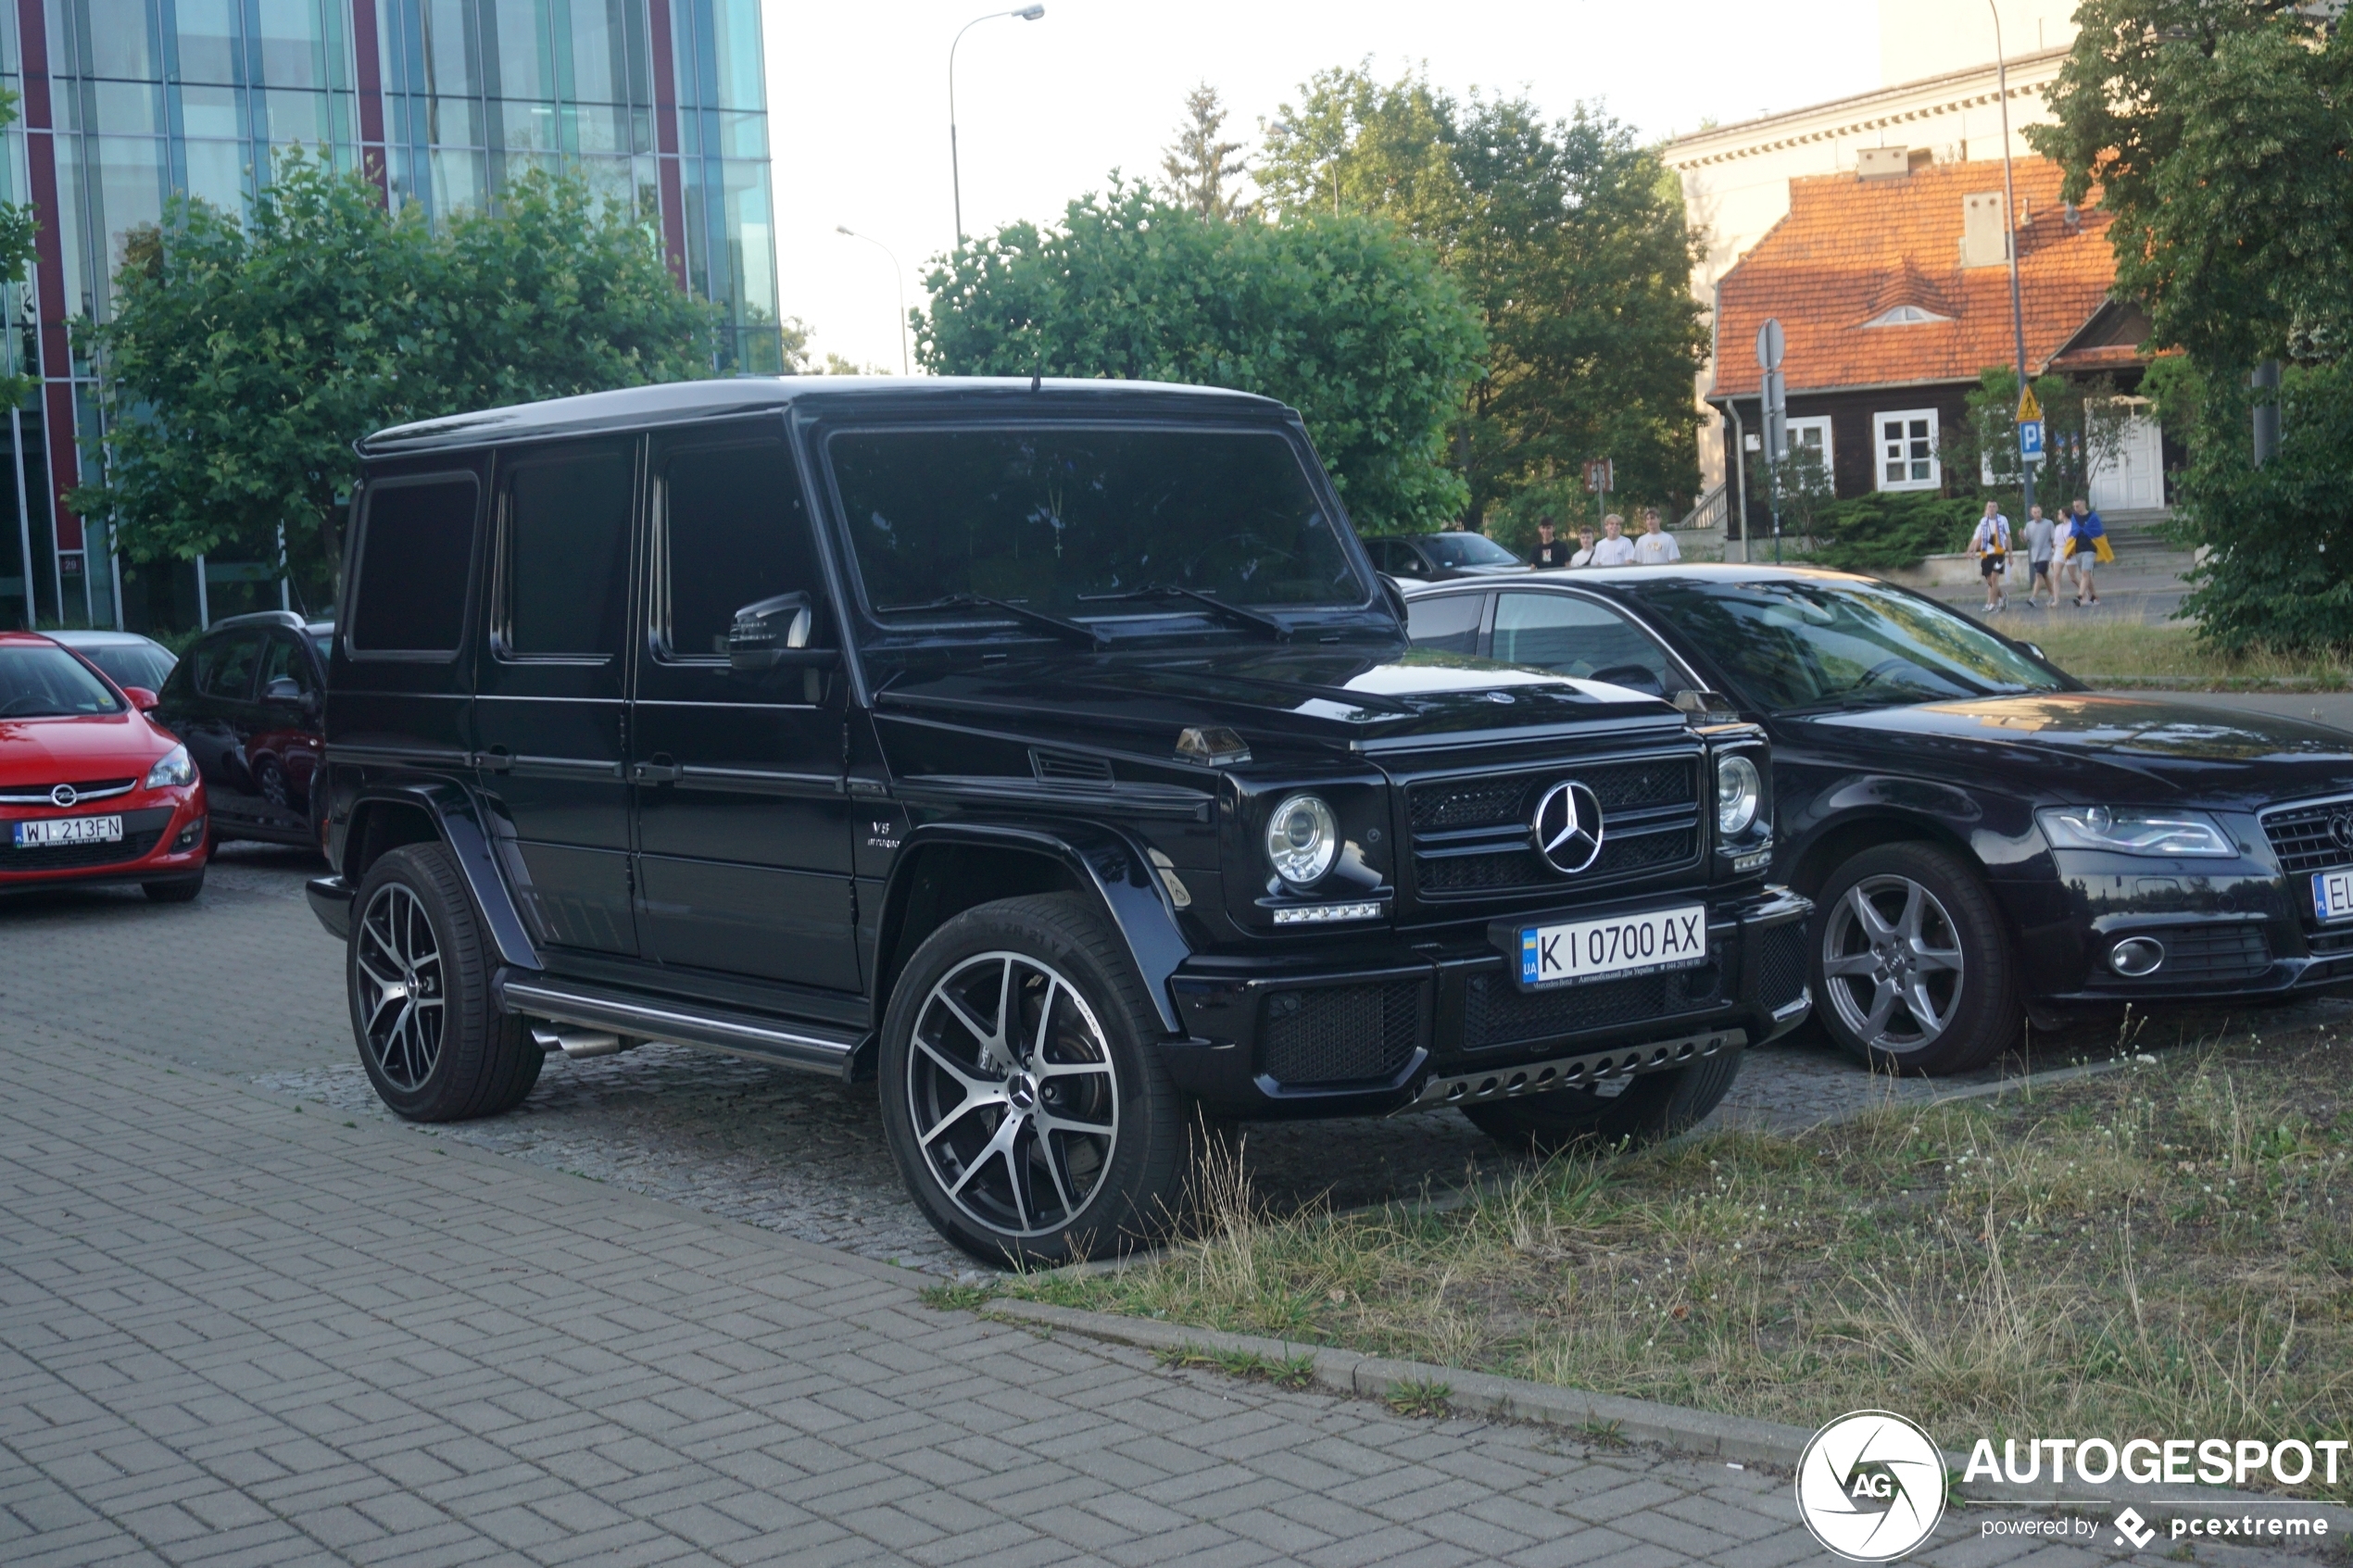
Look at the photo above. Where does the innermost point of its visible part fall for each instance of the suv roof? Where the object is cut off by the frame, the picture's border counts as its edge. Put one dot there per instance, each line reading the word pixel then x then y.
pixel 640 407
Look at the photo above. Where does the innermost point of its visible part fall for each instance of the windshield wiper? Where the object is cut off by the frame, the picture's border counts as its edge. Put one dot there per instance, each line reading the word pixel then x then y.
pixel 1232 612
pixel 1070 631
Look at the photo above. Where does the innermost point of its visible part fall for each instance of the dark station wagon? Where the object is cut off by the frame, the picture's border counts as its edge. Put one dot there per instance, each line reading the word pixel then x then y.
pixel 1047 752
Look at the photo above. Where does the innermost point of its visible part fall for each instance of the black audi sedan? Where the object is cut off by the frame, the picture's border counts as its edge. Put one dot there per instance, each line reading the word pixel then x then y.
pixel 1442 557
pixel 1986 841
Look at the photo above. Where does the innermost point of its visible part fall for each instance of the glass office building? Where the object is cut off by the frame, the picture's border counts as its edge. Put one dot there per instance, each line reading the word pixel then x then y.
pixel 124 103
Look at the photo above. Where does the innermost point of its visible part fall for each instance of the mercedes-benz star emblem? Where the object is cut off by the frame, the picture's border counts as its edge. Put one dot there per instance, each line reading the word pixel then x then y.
pixel 2341 829
pixel 1567 827
pixel 64 795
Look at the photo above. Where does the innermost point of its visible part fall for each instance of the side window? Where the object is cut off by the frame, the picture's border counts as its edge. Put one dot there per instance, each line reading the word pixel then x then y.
pixel 1569 635
pixel 284 661
pixel 1448 623
pixel 733 532
pixel 564 553
pixel 1384 555
pixel 224 668
pixel 415 553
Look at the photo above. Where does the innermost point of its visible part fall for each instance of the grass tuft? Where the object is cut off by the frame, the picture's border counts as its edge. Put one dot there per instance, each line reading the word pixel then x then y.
pixel 958 1298
pixel 1291 1371
pixel 1414 1395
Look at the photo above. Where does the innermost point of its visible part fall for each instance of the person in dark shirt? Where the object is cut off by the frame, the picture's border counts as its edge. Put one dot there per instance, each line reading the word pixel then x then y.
pixel 1549 552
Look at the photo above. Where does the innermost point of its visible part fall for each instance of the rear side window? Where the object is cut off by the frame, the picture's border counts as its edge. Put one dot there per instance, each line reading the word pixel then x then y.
pixel 1448 623
pixel 566 567
pixel 1574 636
pixel 733 532
pixel 416 552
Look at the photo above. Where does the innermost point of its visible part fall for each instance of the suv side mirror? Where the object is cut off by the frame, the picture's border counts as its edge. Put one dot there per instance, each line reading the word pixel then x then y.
pixel 773 634
pixel 282 688
pixel 1633 677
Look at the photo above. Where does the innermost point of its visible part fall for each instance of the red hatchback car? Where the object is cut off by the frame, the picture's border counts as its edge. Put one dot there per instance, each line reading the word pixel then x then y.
pixel 92 790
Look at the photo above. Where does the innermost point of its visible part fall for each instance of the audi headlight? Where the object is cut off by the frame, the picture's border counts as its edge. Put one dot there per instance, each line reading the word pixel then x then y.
pixel 2135 830
pixel 175 769
pixel 1302 838
pixel 1740 791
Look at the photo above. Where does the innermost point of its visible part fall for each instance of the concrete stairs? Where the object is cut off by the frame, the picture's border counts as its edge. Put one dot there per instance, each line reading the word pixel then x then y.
pixel 2142 549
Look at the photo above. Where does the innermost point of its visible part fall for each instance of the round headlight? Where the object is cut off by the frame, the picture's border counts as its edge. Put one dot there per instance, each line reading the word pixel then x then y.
pixel 1302 838
pixel 1739 789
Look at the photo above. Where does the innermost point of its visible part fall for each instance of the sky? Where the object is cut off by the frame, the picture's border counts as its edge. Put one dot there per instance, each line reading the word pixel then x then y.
pixel 858 102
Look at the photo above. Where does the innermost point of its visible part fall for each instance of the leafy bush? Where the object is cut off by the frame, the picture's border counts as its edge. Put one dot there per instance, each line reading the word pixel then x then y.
pixel 1879 533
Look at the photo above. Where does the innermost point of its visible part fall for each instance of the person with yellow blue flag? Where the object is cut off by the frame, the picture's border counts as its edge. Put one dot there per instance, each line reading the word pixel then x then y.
pixel 2088 544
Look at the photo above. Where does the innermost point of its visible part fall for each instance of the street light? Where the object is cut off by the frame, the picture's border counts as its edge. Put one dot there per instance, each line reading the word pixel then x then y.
pixel 2009 223
pixel 900 273
pixel 955 171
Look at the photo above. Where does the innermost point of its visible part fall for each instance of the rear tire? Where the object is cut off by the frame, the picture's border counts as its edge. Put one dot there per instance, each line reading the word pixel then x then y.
pixel 179 890
pixel 417 971
pixel 1911 970
pixel 1031 1119
pixel 1654 1105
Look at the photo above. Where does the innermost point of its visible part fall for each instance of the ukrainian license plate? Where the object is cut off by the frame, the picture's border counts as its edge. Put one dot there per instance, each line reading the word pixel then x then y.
pixel 2333 894
pixel 57 831
pixel 1573 953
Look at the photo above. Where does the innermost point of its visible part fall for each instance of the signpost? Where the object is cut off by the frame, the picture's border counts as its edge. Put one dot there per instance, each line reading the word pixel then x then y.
pixel 1601 478
pixel 2030 441
pixel 1775 397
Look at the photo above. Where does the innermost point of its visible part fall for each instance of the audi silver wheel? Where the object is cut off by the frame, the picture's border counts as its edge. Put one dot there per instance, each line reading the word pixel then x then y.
pixel 1909 955
pixel 400 989
pixel 1024 1090
pixel 1011 1090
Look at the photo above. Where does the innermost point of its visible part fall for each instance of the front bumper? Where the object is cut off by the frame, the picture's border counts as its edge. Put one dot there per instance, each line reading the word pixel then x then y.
pixel 163 840
pixel 331 901
pixel 1369 1027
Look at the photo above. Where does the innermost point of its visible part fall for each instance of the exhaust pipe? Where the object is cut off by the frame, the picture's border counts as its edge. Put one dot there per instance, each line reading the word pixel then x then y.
pixel 577 1043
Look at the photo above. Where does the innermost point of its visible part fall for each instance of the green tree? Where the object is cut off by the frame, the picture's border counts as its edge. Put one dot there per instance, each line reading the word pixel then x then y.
pixel 1570 240
pixel 1198 168
pixel 17 227
pixel 2218 132
pixel 1345 320
pixel 244 357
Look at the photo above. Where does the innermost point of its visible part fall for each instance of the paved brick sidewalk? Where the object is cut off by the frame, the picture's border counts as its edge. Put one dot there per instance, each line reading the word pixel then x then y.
pixel 240 1333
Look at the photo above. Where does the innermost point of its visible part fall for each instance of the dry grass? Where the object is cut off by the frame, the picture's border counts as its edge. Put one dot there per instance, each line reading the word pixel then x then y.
pixel 2167 1249
pixel 2123 647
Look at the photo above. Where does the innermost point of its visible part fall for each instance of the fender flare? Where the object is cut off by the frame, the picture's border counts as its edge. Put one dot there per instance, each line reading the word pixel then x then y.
pixel 458 819
pixel 1102 860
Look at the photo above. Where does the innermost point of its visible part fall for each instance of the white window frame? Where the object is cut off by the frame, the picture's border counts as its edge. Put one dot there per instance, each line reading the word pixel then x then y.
pixel 1935 480
pixel 1830 450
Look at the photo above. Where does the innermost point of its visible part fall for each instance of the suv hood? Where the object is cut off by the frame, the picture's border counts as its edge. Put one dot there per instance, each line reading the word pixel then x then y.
pixel 1273 698
pixel 2132 750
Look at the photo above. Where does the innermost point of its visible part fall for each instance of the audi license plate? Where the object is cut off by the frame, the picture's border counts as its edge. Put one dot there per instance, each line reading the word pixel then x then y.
pixel 2333 894
pixel 69 830
pixel 1574 953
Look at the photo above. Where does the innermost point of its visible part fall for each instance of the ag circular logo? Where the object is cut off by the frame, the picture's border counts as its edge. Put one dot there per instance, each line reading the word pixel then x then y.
pixel 1566 828
pixel 1870 1485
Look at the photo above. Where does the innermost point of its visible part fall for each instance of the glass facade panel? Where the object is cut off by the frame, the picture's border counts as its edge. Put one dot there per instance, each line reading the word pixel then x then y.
pixel 208 38
pixel 298 116
pixel 524 68
pixel 211 111
pixel 217 172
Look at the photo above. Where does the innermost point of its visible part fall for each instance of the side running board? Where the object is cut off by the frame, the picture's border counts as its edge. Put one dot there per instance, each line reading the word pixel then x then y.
pixel 808 1046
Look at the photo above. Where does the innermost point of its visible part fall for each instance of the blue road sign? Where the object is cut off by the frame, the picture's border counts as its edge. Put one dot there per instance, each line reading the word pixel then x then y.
pixel 2029 440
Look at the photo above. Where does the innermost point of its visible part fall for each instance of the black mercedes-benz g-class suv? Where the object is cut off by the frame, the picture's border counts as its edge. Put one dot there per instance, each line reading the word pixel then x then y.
pixel 1047 752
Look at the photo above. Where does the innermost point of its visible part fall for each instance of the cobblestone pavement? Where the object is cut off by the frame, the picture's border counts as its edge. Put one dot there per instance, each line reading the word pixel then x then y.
pixel 235 1330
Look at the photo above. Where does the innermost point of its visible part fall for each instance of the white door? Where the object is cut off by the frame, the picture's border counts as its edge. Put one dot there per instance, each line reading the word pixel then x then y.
pixel 2133 479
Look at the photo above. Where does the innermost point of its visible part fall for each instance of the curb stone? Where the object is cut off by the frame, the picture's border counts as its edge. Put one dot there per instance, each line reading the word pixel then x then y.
pixel 1735 1439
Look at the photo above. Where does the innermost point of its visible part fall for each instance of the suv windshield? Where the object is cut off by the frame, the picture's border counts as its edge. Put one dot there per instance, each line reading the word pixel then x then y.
pixel 48 683
pixel 1467 549
pixel 1056 517
pixel 1794 644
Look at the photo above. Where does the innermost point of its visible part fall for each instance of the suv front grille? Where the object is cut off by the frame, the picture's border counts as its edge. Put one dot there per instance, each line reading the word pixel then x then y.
pixel 1471 835
pixel 2305 837
pixel 1341 1034
pixel 1497 1012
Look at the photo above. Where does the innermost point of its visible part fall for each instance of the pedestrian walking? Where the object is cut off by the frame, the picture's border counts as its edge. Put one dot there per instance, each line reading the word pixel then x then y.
pixel 1584 556
pixel 1549 552
pixel 2091 547
pixel 1656 546
pixel 1990 545
pixel 2041 550
pixel 1613 548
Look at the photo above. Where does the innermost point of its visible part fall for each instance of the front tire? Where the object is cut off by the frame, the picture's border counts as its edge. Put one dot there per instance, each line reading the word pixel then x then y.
pixel 1031 1120
pixel 1654 1105
pixel 417 971
pixel 1911 970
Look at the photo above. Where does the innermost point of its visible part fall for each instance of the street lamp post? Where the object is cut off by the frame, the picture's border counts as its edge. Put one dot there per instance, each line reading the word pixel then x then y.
pixel 955 170
pixel 2009 240
pixel 897 271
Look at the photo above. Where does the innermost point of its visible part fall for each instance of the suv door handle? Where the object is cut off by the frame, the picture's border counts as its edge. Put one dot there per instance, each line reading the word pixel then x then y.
pixel 497 759
pixel 661 768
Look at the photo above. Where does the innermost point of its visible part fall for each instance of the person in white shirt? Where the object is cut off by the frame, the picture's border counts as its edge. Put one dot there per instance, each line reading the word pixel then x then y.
pixel 1655 547
pixel 2062 538
pixel 1584 556
pixel 1613 548
pixel 1990 546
